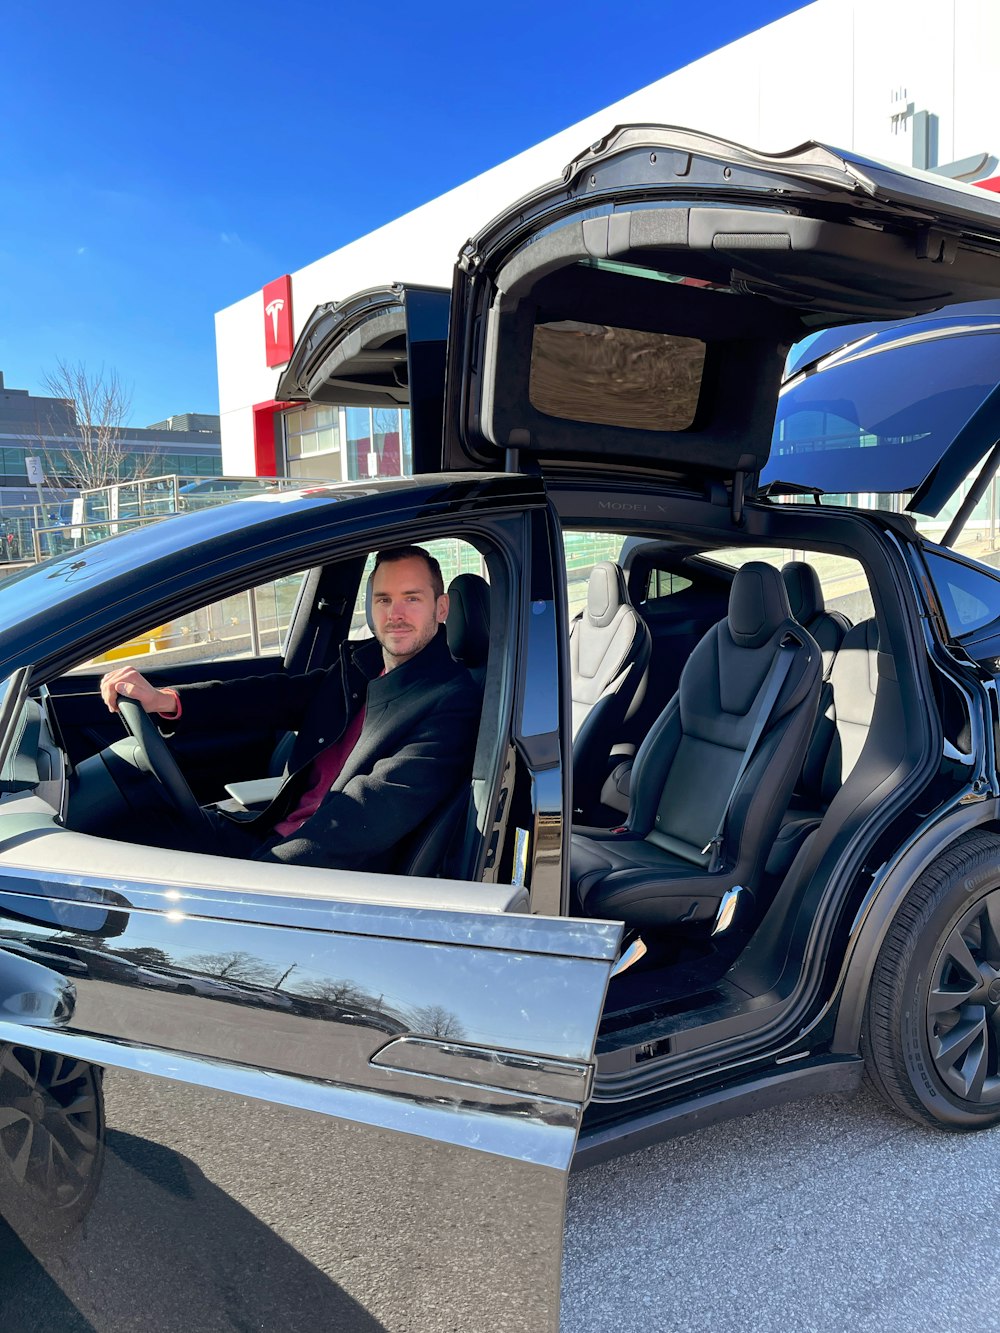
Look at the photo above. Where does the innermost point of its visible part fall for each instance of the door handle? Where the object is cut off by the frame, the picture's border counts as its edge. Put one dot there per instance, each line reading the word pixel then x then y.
pixel 512 1071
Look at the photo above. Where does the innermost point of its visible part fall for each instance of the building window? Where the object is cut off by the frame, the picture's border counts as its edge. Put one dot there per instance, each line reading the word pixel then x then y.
pixel 312 442
pixel 378 442
pixel 407 444
pixel 359 441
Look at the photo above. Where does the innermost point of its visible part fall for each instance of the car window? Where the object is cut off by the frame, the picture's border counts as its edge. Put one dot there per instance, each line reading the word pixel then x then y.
pixel 879 418
pixel 970 596
pixel 662 584
pixel 978 536
pixel 452 554
pixel 584 550
pixel 843 580
pixel 253 623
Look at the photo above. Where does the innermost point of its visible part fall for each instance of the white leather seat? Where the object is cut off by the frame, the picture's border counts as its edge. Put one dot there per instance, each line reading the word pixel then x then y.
pixel 609 648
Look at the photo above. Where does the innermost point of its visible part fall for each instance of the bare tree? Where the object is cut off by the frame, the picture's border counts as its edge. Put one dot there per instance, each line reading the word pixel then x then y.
pixel 434 1020
pixel 101 404
pixel 235 966
pixel 344 993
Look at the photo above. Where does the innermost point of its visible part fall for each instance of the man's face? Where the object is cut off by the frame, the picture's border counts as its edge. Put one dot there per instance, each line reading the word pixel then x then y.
pixel 405 611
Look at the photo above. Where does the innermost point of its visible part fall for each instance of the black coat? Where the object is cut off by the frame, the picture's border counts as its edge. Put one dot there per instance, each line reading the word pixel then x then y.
pixel 414 752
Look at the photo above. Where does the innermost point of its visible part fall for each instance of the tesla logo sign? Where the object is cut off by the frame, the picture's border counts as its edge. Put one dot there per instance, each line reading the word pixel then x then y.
pixel 278 321
pixel 274 309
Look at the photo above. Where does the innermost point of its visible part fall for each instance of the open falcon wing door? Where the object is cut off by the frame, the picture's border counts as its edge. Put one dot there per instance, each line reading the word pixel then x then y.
pixel 637 312
pixel 384 347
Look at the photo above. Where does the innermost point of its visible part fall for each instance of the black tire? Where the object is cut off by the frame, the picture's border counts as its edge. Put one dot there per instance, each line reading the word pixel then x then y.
pixel 931 1036
pixel 51 1140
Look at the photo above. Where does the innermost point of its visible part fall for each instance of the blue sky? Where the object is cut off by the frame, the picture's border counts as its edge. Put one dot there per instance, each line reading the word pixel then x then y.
pixel 159 163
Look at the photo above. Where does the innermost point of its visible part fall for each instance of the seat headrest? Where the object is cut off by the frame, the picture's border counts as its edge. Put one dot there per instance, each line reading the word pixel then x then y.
pixel 855 673
pixel 758 604
pixel 862 637
pixel 805 596
pixel 468 624
pixel 605 592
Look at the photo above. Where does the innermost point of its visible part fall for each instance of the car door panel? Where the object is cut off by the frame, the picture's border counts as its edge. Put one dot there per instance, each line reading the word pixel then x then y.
pixel 224 1213
pixel 410 1078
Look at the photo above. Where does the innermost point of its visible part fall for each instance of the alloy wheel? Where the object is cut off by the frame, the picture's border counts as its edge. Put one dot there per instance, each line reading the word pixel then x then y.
pixel 51 1128
pixel 963 1005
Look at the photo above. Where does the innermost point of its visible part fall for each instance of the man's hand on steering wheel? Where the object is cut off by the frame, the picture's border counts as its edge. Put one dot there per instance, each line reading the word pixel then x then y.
pixel 128 693
pixel 131 684
pixel 128 687
pixel 154 757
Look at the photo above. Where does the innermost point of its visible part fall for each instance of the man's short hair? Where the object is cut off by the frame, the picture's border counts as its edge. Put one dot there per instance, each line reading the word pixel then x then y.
pixel 393 553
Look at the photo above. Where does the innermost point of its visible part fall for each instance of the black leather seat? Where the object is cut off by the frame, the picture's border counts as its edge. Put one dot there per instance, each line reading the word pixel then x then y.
pixel 840 735
pixel 609 647
pixel 805 597
pixel 657 870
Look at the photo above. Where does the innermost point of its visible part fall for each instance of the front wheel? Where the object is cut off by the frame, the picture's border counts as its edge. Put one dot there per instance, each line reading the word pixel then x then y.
pixel 51 1140
pixel 931 1037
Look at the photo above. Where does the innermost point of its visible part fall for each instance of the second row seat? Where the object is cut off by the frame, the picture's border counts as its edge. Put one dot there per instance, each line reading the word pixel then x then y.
pixel 702 766
pixel 805 598
pixel 840 735
pixel 609 645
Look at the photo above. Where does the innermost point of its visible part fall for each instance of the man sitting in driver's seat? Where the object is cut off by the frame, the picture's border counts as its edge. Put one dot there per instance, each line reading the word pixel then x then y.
pixel 385 736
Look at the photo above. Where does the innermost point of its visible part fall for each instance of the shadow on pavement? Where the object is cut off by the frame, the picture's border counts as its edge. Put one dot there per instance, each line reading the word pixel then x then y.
pixel 166 1250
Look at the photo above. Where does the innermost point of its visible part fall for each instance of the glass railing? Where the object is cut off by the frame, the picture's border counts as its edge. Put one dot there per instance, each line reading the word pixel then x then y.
pixel 30 533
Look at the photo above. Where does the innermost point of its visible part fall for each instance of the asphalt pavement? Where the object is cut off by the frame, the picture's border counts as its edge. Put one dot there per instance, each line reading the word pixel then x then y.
pixel 222 1214
pixel 820 1217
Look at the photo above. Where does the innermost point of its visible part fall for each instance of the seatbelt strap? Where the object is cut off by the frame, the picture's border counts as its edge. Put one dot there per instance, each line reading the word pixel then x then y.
pixel 775 679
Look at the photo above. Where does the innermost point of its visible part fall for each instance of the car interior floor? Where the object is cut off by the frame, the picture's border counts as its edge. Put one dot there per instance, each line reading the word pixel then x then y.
pixel 673 971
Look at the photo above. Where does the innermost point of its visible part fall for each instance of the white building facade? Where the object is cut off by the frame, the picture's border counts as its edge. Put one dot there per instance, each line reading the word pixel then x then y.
pixel 910 81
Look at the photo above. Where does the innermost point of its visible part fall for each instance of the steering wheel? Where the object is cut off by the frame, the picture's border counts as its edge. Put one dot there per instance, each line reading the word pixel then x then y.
pixel 155 758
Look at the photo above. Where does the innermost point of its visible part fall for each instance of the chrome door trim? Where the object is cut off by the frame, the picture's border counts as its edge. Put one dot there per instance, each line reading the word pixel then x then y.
pixel 440 1024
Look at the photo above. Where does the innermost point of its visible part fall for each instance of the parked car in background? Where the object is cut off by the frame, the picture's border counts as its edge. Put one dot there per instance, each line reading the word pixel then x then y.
pixel 779 865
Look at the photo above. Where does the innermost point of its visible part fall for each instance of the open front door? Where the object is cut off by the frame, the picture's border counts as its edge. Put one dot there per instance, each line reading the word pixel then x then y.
pixel 223 1110
pixel 241 1095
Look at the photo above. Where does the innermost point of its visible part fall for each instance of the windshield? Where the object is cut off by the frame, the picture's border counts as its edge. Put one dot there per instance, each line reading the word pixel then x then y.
pixel 878 419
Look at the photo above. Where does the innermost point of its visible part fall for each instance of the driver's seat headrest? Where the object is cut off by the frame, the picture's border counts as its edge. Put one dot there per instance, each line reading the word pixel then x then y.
pixel 468 624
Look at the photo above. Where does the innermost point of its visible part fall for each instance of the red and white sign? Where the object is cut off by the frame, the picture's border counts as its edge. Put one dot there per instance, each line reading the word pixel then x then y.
pixel 991 183
pixel 278 338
